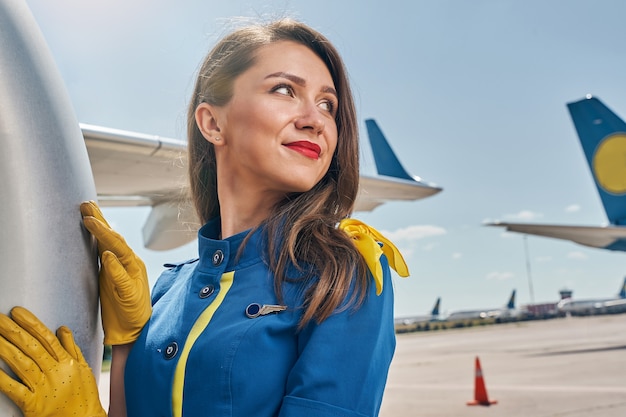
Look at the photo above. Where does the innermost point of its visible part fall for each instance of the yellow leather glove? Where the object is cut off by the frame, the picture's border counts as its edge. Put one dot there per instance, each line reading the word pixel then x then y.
pixel 55 380
pixel 124 289
pixel 366 240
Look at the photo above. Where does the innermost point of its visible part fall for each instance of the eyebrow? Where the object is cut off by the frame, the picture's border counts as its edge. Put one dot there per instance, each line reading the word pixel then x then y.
pixel 300 81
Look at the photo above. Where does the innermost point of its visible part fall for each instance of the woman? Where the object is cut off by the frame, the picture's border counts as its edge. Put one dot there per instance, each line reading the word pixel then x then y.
pixel 284 312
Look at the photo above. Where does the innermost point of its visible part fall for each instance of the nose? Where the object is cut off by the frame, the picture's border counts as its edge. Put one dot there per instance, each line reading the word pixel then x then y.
pixel 310 118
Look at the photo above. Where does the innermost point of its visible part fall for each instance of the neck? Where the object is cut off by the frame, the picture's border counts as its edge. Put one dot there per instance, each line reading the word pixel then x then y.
pixel 242 209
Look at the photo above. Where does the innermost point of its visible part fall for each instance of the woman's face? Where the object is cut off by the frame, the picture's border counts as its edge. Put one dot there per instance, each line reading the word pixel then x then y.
pixel 278 132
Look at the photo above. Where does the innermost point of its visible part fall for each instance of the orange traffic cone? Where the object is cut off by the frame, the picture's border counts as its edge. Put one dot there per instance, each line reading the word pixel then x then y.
pixel 480 392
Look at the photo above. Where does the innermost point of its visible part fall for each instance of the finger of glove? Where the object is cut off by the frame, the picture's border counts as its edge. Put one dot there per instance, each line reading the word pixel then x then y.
pixel 23 366
pixel 66 338
pixel 118 280
pixel 90 208
pixel 128 274
pixel 21 338
pixel 37 330
pixel 126 297
pixel 109 240
pixel 18 393
pixel 88 395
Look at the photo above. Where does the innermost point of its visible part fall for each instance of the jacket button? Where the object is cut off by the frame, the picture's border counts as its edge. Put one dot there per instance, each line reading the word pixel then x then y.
pixel 171 350
pixel 206 291
pixel 218 257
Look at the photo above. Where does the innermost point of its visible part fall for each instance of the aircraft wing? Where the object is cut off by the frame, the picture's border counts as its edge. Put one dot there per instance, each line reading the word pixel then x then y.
pixel 602 135
pixel 374 191
pixel 609 237
pixel 615 304
pixel 135 169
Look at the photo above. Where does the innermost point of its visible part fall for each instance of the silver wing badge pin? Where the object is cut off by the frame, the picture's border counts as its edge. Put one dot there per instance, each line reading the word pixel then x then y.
pixel 255 310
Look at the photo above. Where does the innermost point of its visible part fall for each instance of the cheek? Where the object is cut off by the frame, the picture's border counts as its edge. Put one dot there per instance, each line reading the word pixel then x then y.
pixel 243 116
pixel 332 146
pixel 332 143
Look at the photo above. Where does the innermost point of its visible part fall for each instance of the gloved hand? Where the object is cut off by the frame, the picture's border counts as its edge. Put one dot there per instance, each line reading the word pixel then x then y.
pixel 124 290
pixel 55 379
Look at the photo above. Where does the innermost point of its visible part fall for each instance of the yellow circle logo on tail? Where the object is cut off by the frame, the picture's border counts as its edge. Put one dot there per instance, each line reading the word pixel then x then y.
pixel 609 164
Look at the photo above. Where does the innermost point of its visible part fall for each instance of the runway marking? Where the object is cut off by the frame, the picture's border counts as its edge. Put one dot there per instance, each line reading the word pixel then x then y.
pixel 530 388
pixel 577 351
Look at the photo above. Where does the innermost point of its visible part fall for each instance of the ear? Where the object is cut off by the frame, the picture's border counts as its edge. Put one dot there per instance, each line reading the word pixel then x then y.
pixel 207 123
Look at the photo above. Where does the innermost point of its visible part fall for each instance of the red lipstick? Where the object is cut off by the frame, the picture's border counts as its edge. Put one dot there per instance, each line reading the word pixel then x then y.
pixel 306 148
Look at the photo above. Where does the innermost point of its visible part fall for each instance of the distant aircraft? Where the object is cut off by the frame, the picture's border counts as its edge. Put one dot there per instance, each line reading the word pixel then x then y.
pixel 507 311
pixel 602 135
pixel 594 306
pixel 433 316
pixel 135 169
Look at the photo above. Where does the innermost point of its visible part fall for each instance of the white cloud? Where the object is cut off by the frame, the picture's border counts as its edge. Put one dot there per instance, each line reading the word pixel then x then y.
pixel 406 252
pixel 457 255
pixel 414 232
pixel 543 258
pixel 500 276
pixel 524 215
pixel 577 255
pixel 572 208
pixel 430 246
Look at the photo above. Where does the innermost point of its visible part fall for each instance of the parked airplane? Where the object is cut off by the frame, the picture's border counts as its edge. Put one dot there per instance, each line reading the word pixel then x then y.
pixel 135 169
pixel 507 311
pixel 587 307
pixel 433 316
pixel 602 135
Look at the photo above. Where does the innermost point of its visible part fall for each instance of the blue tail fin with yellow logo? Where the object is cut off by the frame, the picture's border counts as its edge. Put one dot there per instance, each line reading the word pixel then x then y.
pixel 602 135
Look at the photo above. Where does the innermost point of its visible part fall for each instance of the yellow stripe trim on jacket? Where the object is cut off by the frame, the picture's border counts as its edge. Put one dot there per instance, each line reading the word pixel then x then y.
pixel 203 321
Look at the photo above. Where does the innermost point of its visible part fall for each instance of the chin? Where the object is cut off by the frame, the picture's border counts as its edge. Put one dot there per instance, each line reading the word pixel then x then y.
pixel 302 189
pixel 302 185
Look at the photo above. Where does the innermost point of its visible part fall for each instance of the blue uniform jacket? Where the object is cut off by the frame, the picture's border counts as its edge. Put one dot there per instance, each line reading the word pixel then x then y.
pixel 201 355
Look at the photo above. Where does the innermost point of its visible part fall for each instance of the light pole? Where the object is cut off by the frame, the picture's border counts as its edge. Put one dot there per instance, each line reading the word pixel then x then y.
pixel 528 274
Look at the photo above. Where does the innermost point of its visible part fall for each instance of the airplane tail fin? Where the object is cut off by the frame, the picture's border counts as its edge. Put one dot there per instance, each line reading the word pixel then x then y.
pixel 386 161
pixel 622 292
pixel 602 135
pixel 435 312
pixel 511 304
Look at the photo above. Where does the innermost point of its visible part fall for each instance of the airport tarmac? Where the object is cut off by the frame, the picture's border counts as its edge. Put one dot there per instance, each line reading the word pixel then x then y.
pixel 569 367
pixel 574 366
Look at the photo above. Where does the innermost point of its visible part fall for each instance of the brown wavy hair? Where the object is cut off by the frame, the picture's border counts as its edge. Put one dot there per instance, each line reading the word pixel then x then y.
pixel 311 238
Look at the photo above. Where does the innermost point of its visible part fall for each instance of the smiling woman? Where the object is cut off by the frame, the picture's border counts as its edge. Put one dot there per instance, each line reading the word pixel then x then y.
pixel 288 311
pixel 277 133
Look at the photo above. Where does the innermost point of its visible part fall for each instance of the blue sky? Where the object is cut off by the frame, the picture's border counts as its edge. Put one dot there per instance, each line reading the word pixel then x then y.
pixel 471 96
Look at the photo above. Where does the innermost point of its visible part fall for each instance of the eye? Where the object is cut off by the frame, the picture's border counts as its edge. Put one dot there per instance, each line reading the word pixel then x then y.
pixel 283 89
pixel 328 105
